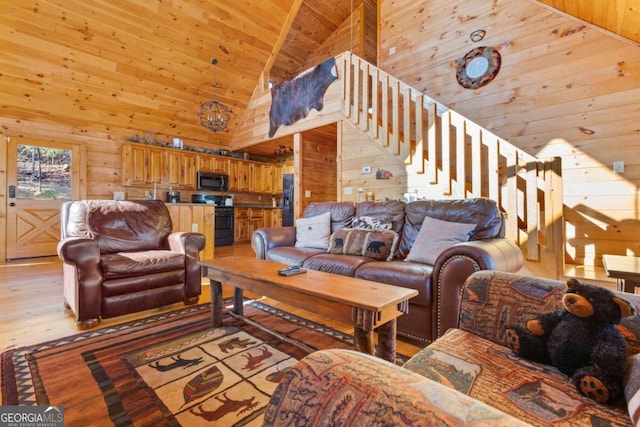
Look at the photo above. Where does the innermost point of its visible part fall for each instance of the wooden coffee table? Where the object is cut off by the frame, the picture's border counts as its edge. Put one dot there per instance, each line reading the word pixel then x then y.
pixel 368 305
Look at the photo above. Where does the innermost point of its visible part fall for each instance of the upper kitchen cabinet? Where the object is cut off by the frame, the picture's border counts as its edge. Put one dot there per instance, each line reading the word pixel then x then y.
pixel 276 179
pixel 206 163
pixel 142 164
pixel 240 175
pixel 211 163
pixel 182 167
pixel 222 164
pixel 262 177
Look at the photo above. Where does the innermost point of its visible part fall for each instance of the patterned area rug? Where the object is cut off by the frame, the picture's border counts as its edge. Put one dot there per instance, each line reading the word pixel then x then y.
pixel 171 369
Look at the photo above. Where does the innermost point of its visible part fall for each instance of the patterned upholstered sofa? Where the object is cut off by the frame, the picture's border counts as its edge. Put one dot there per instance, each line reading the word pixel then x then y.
pixel 467 376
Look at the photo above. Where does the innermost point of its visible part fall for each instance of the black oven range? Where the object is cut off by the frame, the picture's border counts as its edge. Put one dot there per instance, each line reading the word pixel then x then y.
pixel 223 235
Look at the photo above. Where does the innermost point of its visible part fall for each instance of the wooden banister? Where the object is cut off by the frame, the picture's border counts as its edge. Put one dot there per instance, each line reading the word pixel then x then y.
pixel 459 157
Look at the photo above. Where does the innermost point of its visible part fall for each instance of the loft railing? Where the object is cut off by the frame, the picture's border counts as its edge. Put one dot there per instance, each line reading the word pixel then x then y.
pixel 459 158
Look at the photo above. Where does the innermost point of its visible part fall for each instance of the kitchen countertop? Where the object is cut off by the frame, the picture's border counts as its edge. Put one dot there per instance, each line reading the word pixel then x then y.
pixel 189 204
pixel 237 205
pixel 256 205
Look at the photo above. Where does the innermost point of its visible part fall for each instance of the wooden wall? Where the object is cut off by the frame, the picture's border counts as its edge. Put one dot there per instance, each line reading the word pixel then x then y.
pixel 357 152
pixel 565 88
pixel 317 165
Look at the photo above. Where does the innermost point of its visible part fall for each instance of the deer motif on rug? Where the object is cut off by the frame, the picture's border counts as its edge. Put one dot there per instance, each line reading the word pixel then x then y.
pixel 229 406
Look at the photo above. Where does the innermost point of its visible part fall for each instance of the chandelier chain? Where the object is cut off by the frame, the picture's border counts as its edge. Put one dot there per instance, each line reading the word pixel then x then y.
pixel 213 114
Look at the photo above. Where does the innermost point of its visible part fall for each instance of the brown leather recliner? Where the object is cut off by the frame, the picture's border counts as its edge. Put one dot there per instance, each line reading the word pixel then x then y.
pixel 121 257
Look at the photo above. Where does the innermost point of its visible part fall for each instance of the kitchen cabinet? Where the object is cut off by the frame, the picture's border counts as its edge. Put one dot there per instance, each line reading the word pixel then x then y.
pixel 287 167
pixel 257 185
pixel 256 219
pixel 276 179
pixel 206 163
pixel 279 170
pixel 142 164
pixel 240 173
pixel 182 169
pixel 222 164
pixel 273 217
pixel 262 178
pixel 241 225
pixel 276 218
pixel 248 220
pixel 268 177
pixel 195 217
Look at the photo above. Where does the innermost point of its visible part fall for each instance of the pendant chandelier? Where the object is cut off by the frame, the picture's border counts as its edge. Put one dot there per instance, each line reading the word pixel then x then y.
pixel 214 115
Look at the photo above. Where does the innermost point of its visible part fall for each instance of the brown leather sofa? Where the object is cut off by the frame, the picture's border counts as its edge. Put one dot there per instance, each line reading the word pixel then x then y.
pixel 121 257
pixel 436 307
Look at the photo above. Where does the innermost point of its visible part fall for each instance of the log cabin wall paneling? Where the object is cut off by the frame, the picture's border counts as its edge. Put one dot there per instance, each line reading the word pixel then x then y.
pixel 317 161
pixel 565 88
pixel 357 153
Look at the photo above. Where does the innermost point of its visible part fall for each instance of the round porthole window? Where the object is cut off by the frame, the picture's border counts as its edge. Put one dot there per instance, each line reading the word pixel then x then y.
pixel 478 67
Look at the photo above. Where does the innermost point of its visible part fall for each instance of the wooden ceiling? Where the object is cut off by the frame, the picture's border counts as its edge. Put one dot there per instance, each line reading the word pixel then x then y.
pixel 313 25
pixel 618 16
pixel 123 68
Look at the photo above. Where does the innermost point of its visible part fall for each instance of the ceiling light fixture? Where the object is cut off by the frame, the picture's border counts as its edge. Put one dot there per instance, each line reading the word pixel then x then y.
pixel 214 115
pixel 283 153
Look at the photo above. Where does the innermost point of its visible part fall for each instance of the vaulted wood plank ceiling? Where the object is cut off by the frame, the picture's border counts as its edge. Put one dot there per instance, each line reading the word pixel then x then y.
pixel 312 25
pixel 124 68
pixel 618 16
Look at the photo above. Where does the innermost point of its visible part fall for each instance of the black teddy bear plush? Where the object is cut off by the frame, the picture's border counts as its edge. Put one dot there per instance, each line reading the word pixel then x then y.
pixel 581 340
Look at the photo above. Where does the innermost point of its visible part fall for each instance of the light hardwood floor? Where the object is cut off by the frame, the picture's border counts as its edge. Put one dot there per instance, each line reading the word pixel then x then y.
pixel 32 311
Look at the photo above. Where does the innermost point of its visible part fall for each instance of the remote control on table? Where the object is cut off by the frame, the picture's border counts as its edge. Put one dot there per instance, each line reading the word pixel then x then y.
pixel 291 271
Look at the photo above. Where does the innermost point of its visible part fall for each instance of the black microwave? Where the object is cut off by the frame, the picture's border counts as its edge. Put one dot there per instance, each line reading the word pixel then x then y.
pixel 213 181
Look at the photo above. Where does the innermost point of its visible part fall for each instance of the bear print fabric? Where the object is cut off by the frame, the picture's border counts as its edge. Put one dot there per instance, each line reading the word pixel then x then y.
pixel 354 242
pixel 380 245
pixel 336 242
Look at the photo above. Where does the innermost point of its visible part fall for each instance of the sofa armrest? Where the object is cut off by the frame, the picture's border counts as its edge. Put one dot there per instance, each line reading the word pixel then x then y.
pixel 632 388
pixel 456 263
pixel 190 244
pixel 264 239
pixel 82 276
pixel 493 299
pixel 343 387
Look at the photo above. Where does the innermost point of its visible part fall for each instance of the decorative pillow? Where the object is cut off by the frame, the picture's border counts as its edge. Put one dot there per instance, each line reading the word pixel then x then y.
pixel 336 243
pixel 371 223
pixel 355 242
pixel 435 236
pixel 313 232
pixel 380 245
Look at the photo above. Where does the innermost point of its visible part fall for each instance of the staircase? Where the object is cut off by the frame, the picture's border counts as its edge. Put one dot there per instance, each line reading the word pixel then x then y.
pixel 460 159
